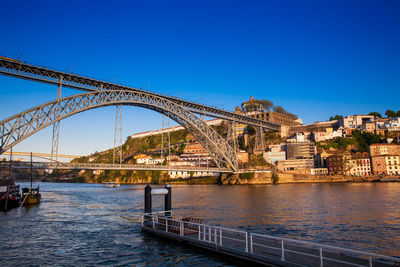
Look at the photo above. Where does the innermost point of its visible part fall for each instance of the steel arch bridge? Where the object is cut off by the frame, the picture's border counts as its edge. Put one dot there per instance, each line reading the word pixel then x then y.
pixel 19 127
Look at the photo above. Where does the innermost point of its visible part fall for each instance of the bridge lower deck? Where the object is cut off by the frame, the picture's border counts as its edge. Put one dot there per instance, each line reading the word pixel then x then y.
pixel 260 249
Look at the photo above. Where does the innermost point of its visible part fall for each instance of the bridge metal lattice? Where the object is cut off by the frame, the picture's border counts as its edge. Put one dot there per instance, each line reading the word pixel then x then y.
pixel 22 70
pixel 18 127
pixel 104 166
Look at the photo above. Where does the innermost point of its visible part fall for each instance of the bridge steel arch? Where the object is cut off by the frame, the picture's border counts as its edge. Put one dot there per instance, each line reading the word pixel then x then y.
pixel 15 129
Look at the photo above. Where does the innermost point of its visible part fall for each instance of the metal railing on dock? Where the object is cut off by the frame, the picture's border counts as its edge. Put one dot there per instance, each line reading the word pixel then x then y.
pixel 260 247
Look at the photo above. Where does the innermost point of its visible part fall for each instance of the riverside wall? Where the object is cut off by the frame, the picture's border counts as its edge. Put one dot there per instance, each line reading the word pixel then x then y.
pixel 287 178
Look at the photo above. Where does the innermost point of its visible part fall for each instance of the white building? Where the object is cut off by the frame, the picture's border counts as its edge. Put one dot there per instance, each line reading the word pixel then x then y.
pixel 149 161
pixel 183 174
pixel 323 136
pixel 275 153
pixel 299 137
pixel 393 124
pixel 356 121
pixel 392 165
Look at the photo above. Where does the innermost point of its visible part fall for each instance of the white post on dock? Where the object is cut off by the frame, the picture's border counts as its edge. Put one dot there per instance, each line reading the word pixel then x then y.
pixel 199 232
pixel 282 252
pixel 251 243
pixel 204 233
pixel 215 235
pixel 220 237
pixel 247 243
pixel 181 228
pixel 209 234
pixel 320 257
pixel 370 261
pixel 166 224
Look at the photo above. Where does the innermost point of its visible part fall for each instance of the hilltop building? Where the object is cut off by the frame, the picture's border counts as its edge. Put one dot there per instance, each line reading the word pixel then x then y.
pixel 255 109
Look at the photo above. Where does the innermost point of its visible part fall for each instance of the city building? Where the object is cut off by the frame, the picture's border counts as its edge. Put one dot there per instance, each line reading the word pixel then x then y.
pixel 358 165
pixel 368 127
pixel 379 165
pixel 255 109
pixel 194 147
pixel 275 153
pixel 356 121
pixel 184 174
pixel 300 150
pixel 335 164
pixel 197 159
pixel 392 124
pixel 180 162
pixel 300 137
pixel 321 157
pixel 319 171
pixel 384 149
pixel 147 160
pixel 386 165
pixel 354 164
pixel 293 164
pixel 328 134
pixel 319 126
pixel 242 156
pixel 392 165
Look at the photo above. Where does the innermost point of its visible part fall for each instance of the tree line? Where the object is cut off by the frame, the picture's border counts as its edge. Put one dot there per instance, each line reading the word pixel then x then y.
pixel 389 114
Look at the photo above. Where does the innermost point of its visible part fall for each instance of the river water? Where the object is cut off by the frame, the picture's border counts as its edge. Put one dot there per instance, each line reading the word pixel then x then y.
pixel 87 224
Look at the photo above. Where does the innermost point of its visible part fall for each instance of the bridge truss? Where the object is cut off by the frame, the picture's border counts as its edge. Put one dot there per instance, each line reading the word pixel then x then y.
pixel 18 127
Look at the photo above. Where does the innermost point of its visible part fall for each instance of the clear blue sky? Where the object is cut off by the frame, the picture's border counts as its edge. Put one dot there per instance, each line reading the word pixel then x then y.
pixel 315 58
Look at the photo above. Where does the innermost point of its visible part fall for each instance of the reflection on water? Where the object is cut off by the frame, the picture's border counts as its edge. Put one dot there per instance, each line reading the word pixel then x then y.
pixel 86 224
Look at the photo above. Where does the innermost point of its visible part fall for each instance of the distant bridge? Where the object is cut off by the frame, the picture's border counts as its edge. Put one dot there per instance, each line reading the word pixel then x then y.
pixel 104 166
pixel 40 155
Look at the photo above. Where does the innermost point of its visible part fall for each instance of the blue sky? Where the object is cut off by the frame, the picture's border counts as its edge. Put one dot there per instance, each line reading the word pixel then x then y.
pixel 315 58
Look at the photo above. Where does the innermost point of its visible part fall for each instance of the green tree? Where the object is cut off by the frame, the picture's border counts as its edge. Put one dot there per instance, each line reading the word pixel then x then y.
pixel 390 113
pixel 268 105
pixel 375 114
pixel 398 113
pixel 337 117
pixel 251 130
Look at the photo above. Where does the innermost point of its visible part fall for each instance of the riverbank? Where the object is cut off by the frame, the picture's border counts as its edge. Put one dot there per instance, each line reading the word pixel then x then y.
pixel 292 178
pixel 257 178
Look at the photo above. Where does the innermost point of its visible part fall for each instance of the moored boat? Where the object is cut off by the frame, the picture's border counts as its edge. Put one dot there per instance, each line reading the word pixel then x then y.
pixel 30 196
pixel 111 185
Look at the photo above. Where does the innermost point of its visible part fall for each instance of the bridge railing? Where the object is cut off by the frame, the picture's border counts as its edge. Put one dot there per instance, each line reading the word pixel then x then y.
pixel 105 166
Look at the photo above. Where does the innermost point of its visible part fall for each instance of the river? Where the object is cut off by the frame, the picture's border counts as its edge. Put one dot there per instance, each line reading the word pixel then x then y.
pixel 87 224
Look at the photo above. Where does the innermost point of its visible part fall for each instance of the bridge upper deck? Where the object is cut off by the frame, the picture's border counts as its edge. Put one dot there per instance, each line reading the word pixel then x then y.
pixel 22 70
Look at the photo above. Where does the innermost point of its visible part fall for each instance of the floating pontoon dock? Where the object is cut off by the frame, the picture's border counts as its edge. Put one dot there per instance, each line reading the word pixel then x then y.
pixel 256 248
